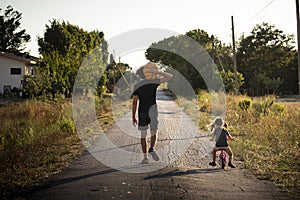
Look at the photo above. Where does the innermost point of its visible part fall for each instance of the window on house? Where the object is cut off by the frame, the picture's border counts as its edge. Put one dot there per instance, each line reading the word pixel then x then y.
pixel 15 71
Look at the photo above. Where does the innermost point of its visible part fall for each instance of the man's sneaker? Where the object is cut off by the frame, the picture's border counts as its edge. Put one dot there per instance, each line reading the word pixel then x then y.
pixel 231 165
pixel 153 154
pixel 212 163
pixel 145 161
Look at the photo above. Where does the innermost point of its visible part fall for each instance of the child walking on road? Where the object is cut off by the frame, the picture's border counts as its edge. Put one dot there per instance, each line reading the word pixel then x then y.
pixel 145 93
pixel 220 135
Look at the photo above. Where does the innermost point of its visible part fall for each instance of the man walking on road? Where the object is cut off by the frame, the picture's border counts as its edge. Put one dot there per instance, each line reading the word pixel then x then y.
pixel 145 93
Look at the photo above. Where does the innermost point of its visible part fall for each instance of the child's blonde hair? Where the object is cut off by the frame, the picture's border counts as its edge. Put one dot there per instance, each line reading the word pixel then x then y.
pixel 218 121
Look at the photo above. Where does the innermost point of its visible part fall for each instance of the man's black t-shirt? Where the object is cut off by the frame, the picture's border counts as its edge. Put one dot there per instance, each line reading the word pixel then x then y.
pixel 146 91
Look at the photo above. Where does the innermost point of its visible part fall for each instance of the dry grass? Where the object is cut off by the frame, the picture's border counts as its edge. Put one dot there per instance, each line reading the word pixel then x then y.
pixel 268 142
pixel 267 134
pixel 38 139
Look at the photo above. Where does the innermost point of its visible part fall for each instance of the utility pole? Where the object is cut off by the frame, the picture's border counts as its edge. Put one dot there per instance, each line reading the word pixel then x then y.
pixel 298 41
pixel 236 86
pixel 212 56
pixel 122 73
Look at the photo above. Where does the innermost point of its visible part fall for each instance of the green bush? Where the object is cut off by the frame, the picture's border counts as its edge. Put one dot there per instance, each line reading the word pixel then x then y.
pixel 277 108
pixel 263 106
pixel 245 105
pixel 268 106
pixel 67 125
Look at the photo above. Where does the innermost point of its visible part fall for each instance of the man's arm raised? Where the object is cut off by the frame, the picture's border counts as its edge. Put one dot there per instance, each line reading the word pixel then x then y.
pixel 165 76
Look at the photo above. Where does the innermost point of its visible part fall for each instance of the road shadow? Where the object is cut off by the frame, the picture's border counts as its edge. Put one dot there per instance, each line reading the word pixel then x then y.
pixel 177 172
pixel 53 183
pixel 64 181
pixel 138 143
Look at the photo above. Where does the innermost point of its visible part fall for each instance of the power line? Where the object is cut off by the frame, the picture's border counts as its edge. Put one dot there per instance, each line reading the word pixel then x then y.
pixel 262 9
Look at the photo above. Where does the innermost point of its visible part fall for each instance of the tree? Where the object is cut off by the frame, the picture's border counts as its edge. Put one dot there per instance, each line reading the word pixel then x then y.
pixel 172 58
pixel 114 71
pixel 40 85
pixel 13 39
pixel 268 52
pixel 215 51
pixel 263 84
pixel 64 47
pixel 229 81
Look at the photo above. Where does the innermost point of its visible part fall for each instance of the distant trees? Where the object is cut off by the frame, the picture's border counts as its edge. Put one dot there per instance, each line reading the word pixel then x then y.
pixel 13 39
pixel 220 54
pixel 63 49
pixel 268 61
pixel 267 58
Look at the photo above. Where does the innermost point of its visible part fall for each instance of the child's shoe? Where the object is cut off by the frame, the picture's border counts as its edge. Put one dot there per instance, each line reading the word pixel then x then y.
pixel 212 163
pixel 231 165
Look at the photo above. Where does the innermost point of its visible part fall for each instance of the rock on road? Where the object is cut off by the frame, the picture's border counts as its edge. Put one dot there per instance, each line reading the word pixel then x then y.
pixel 181 173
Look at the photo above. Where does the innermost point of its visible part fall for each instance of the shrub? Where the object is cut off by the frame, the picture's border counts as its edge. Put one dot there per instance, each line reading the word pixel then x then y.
pixel 245 105
pixel 263 106
pixel 277 108
pixel 67 125
pixel 204 101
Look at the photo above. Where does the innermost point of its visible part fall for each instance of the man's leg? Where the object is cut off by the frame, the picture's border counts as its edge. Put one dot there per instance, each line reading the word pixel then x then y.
pixel 144 146
pixel 144 142
pixel 152 145
pixel 153 115
pixel 153 139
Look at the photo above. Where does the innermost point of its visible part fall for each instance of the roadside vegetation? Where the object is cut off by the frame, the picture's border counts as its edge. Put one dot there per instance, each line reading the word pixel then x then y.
pixel 38 138
pixel 268 137
pixel 267 134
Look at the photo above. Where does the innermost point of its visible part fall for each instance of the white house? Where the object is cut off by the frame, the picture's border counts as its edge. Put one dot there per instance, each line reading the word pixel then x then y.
pixel 12 71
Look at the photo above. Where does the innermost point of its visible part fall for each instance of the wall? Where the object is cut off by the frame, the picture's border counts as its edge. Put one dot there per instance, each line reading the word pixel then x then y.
pixel 5 77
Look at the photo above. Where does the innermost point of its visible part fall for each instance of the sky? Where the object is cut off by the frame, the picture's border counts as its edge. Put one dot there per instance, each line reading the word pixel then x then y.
pixel 114 17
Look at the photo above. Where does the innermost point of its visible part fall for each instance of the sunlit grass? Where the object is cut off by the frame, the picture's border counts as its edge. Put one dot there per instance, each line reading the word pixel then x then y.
pixel 38 138
pixel 268 136
pixel 269 143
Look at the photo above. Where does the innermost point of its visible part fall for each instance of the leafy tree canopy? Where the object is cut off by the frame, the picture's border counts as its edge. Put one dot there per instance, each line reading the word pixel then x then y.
pixel 270 52
pixel 13 39
pixel 214 52
pixel 64 47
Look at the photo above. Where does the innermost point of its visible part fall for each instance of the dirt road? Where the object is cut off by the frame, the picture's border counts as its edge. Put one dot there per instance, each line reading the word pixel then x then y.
pixel 181 173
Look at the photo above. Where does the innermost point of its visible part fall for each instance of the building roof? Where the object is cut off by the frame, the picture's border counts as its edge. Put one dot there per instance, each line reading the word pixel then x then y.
pixel 19 58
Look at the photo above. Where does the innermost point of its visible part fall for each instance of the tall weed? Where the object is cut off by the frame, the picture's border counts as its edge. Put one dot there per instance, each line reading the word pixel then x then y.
pixel 36 140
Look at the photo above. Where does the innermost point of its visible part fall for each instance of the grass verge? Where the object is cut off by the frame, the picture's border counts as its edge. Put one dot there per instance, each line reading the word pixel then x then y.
pixel 267 134
pixel 38 139
pixel 268 138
